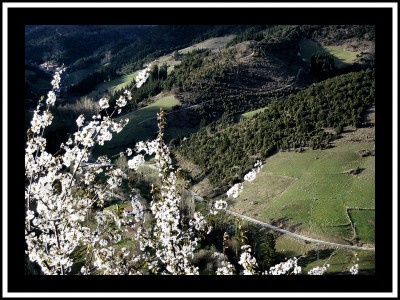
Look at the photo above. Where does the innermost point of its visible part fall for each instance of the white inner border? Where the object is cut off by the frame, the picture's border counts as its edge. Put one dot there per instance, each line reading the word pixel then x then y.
pixel 7 5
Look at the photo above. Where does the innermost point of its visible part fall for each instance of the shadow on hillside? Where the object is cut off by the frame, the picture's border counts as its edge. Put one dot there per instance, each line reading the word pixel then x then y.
pixel 360 272
pixel 314 255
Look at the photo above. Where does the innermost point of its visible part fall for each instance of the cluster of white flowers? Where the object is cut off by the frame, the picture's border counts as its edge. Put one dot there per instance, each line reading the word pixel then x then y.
pixel 128 94
pixel 247 261
pixel 51 98
pixel 226 268
pixel 40 121
pixel 115 177
pixel 80 120
pixel 354 270
pixel 103 103
pixel 258 165
pixel 235 190
pixel 136 162
pixel 142 76
pixel 288 267
pixel 54 228
pixel 199 222
pixel 318 270
pixel 218 205
pixel 250 176
pixel 137 208
pixel 149 147
pixel 173 244
pixel 123 99
pixel 128 152
pixel 57 78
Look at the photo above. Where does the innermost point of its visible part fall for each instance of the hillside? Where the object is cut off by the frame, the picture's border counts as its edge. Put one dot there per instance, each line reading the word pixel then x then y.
pixel 326 194
pixel 299 98
pixel 227 150
pixel 214 80
pixel 263 65
pixel 102 52
pixel 317 192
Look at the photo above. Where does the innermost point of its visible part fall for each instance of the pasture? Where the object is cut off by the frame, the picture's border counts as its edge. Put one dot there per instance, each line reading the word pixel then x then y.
pixel 113 85
pixel 364 224
pixel 310 192
pixel 251 114
pixel 342 56
pixel 142 126
pixel 311 255
pixel 339 260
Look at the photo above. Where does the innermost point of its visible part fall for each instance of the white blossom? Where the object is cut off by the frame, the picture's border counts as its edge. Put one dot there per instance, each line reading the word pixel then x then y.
pixel 285 268
pixel 128 94
pixel 198 222
pixel 121 101
pixel 137 208
pixel 30 215
pixel 354 270
pixel 103 103
pixel 57 79
pixel 221 204
pixel 218 205
pixel 51 98
pixel 136 162
pixel 235 190
pixel 141 78
pixel 250 176
pixel 80 120
pixel 128 151
pixel 318 270
pixel 247 261
pixel 149 147
pixel 226 268
pixel 103 242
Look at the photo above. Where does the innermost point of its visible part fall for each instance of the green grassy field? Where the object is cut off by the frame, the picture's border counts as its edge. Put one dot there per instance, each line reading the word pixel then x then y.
pixel 342 56
pixel 291 247
pixel 113 85
pixel 311 255
pixel 339 260
pixel 251 114
pixel 311 192
pixel 365 230
pixel 142 126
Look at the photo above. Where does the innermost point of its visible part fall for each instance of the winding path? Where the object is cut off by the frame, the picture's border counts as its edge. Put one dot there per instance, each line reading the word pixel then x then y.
pixel 302 237
pixel 299 236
